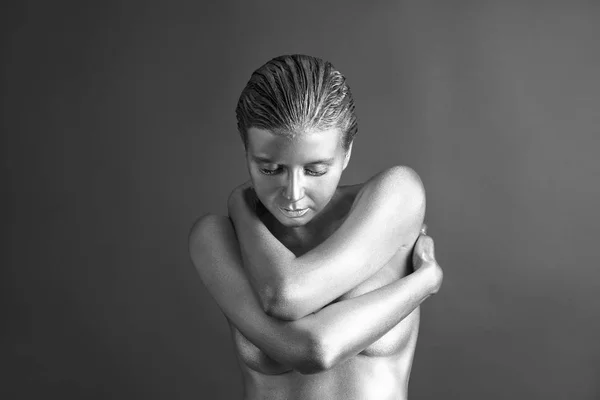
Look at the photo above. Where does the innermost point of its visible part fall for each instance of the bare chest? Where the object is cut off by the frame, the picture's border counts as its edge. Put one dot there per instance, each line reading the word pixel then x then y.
pixel 396 340
pixel 400 340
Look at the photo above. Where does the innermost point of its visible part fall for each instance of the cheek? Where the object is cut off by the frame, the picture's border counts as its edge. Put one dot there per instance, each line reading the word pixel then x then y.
pixel 325 189
pixel 264 186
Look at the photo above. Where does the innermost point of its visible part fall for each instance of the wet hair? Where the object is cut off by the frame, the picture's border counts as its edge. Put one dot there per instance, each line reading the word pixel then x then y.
pixel 297 93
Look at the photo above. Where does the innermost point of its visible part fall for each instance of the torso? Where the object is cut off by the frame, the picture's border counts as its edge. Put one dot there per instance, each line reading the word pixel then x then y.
pixel 381 371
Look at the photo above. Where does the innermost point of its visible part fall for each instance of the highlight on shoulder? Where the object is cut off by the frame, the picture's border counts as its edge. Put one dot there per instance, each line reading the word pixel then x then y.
pixel 205 228
pixel 398 184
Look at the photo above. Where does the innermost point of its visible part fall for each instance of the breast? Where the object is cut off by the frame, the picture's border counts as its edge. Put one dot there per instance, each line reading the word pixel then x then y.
pixel 255 358
pixel 397 339
pixel 405 332
pixel 401 337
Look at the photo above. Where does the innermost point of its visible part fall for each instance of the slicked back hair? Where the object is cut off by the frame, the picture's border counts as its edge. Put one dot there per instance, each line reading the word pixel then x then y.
pixel 296 93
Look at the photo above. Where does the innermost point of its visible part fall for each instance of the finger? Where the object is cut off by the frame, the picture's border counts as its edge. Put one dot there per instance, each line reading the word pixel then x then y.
pixel 427 248
pixel 242 187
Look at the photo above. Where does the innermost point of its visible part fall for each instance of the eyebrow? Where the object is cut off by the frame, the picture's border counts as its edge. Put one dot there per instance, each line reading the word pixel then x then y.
pixel 266 160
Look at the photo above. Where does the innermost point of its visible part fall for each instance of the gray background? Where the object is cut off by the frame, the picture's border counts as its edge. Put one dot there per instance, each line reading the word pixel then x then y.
pixel 118 130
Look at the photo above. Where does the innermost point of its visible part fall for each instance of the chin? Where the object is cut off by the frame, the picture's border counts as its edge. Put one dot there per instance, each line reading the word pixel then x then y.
pixel 292 222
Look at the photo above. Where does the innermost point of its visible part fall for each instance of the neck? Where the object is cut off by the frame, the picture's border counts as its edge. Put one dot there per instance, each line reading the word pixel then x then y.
pixel 295 236
pixel 312 232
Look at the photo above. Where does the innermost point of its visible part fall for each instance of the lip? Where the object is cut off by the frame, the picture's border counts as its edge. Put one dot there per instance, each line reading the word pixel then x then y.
pixel 293 213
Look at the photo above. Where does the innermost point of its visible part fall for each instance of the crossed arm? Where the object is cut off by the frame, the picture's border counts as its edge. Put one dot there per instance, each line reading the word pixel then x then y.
pixel 386 217
pixel 316 340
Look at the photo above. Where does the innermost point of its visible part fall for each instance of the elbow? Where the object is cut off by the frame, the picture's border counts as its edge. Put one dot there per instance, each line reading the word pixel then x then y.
pixel 319 356
pixel 282 310
pixel 407 186
pixel 281 302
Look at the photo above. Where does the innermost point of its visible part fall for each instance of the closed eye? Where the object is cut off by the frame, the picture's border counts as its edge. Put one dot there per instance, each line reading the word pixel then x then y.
pixel 314 173
pixel 268 171
pixel 275 171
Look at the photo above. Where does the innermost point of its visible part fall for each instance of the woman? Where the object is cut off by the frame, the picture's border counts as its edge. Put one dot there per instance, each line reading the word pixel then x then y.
pixel 315 278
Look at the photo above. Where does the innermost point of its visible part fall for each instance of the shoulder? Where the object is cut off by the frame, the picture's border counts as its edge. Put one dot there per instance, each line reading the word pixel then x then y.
pixel 206 223
pixel 399 178
pixel 394 185
pixel 208 228
pixel 212 239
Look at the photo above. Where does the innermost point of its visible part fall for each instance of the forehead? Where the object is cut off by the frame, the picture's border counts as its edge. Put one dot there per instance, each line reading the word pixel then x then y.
pixel 302 148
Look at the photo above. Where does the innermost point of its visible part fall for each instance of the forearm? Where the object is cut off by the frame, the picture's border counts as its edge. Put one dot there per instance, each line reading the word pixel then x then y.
pixel 303 345
pixel 341 330
pixel 266 260
pixel 315 342
pixel 291 287
pixel 344 329
pixel 215 254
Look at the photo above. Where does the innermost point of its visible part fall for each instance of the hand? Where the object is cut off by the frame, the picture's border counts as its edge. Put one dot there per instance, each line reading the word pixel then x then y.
pixel 424 258
pixel 236 197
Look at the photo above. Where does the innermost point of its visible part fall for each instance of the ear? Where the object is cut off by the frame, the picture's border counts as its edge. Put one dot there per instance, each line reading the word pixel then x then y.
pixel 348 153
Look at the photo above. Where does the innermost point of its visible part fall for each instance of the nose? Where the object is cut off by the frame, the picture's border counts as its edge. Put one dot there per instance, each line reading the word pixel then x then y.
pixel 294 188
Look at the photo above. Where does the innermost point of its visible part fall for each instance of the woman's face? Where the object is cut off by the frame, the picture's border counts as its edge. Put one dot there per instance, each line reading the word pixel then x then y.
pixel 296 177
